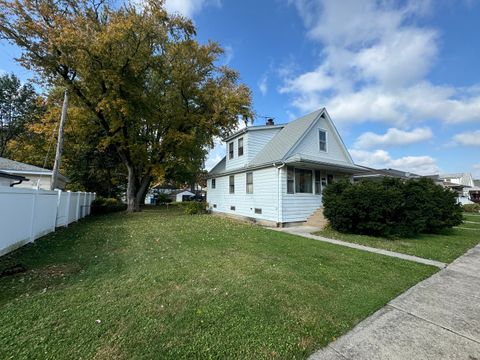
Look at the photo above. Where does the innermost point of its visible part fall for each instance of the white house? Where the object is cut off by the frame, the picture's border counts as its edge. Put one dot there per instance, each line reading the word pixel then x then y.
pixel 37 177
pixel 179 196
pixel 276 173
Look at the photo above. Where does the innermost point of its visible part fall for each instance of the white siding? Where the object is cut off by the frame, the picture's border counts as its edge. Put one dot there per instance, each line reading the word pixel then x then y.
pixel 258 139
pixel 310 144
pixel 237 161
pixel 264 195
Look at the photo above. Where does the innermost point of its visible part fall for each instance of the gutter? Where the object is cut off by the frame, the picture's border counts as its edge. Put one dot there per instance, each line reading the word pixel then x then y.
pixel 279 198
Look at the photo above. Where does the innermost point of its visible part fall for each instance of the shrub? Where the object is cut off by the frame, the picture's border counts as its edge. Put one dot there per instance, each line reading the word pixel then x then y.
pixel 163 198
pixel 195 207
pixel 473 208
pixel 103 205
pixel 391 207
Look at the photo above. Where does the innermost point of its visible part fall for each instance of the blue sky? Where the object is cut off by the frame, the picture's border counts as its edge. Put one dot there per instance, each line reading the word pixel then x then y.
pixel 400 79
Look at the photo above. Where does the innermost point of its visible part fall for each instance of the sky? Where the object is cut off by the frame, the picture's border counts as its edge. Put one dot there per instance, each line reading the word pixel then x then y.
pixel 400 79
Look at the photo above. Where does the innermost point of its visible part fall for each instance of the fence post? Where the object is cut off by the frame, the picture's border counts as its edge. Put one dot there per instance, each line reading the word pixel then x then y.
pixel 32 223
pixel 59 199
pixel 69 195
pixel 78 206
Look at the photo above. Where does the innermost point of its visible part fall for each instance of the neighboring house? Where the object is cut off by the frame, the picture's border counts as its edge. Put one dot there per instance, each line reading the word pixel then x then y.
pixel 378 174
pixel 276 173
pixel 475 191
pixel 10 180
pixel 461 183
pixel 37 177
pixel 183 195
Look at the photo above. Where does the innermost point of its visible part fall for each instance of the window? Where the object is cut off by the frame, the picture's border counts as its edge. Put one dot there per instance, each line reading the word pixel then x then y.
pixel 232 208
pixel 214 183
pixel 258 211
pixel 249 183
pixel 230 150
pixel 215 206
pixel 232 184
pixel 317 182
pixel 322 140
pixel 303 181
pixel 330 179
pixel 240 147
pixel 324 182
pixel 290 180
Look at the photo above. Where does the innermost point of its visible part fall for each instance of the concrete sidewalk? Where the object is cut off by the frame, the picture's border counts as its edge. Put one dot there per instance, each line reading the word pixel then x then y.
pixel 306 231
pixel 439 318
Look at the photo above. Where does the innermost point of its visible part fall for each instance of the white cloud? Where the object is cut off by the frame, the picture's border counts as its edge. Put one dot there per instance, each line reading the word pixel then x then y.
pixel 468 138
pixel 392 137
pixel 381 159
pixel 189 8
pixel 374 64
pixel 228 54
pixel 263 84
pixel 476 171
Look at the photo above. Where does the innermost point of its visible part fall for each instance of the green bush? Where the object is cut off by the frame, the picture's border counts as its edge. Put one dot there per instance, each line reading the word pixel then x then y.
pixel 194 207
pixel 103 205
pixel 473 208
pixel 391 207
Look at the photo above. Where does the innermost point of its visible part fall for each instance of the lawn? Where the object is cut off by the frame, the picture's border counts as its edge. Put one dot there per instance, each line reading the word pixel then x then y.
pixel 445 247
pixel 163 285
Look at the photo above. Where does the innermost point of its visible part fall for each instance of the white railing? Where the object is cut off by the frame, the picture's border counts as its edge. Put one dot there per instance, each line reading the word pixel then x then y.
pixel 27 214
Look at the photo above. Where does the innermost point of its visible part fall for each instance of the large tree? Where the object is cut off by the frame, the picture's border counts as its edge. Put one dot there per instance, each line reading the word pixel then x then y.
pixel 156 93
pixel 19 106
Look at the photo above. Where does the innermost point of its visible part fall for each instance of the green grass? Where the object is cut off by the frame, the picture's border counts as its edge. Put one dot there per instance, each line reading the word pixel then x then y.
pixel 170 286
pixel 473 221
pixel 445 247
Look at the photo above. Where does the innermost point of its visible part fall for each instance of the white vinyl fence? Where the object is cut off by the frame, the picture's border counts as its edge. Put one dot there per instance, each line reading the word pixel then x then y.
pixel 27 214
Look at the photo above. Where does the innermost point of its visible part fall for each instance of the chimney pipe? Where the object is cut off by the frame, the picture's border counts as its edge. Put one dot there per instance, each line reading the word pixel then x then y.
pixel 269 122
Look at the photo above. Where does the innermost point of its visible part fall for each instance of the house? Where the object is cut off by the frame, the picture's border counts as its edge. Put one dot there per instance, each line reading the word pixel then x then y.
pixel 378 174
pixel 462 183
pixel 37 177
pixel 276 173
pixel 183 195
pixel 7 179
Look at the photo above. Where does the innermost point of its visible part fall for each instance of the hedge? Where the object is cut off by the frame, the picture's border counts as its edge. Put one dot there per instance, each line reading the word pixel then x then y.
pixel 391 207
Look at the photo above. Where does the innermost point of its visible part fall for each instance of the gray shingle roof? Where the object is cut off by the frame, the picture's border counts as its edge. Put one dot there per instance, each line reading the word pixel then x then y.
pixel 220 167
pixel 12 165
pixel 277 148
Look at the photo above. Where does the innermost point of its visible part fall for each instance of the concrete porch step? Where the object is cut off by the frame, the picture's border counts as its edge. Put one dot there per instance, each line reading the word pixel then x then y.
pixel 317 219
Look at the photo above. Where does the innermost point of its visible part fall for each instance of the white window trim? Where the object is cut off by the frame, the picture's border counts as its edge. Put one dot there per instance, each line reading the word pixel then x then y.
pixel 326 140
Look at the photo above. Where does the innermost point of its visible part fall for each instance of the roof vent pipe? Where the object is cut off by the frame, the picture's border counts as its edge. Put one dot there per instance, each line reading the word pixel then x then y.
pixel 269 122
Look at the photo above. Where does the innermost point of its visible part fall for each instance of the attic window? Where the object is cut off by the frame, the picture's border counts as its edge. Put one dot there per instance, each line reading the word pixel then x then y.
pixel 240 147
pixel 230 150
pixel 322 140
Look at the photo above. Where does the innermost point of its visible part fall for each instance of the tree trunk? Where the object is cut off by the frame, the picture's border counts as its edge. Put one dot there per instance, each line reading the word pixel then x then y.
pixel 136 189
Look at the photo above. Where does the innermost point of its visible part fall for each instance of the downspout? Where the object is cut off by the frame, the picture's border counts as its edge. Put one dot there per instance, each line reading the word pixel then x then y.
pixel 279 203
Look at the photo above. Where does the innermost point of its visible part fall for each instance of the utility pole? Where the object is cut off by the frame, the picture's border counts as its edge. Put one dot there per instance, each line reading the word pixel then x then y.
pixel 58 154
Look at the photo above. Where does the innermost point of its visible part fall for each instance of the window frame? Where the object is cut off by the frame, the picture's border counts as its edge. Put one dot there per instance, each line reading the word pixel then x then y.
pixel 320 142
pixel 290 180
pixel 231 150
pixel 240 147
pixel 298 184
pixel 317 184
pixel 249 185
pixel 231 184
pixel 213 183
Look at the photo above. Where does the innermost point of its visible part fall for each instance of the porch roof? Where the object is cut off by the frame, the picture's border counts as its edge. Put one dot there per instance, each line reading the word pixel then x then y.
pixel 301 160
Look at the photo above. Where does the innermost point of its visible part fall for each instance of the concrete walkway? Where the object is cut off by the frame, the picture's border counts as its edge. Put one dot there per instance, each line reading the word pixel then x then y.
pixel 439 318
pixel 306 231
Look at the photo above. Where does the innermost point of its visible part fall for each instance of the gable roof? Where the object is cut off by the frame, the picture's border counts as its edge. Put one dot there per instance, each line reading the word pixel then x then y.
pixel 281 144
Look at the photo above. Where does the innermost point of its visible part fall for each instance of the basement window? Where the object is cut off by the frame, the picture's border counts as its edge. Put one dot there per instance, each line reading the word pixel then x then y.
pixel 258 211
pixel 232 208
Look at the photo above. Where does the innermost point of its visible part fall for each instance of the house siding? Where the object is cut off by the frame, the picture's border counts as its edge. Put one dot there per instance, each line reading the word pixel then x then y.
pixel 258 139
pixel 264 195
pixel 238 161
pixel 310 144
